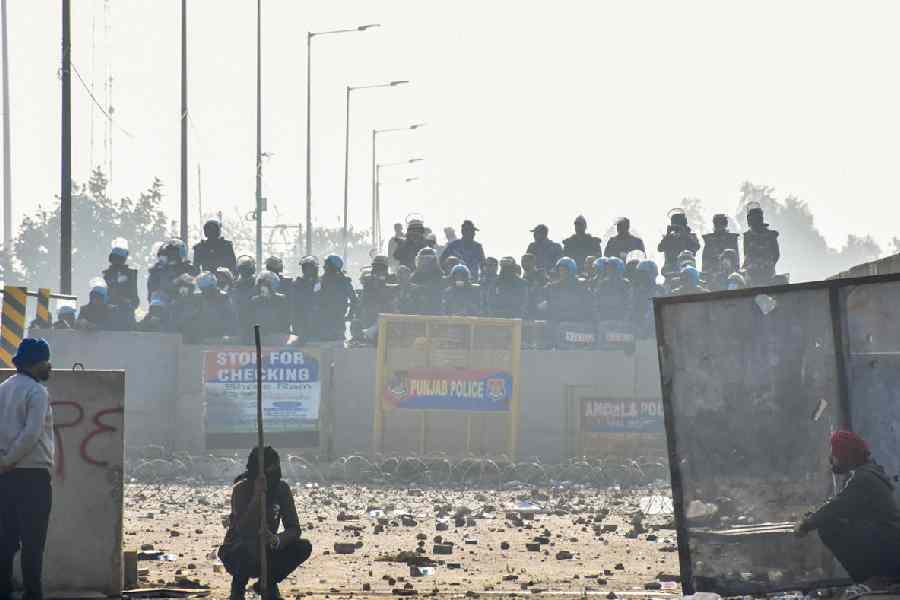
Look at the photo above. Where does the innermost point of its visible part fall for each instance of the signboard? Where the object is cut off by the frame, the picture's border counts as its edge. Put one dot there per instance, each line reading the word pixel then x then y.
pixel 480 390
pixel 292 395
pixel 610 415
pixel 447 385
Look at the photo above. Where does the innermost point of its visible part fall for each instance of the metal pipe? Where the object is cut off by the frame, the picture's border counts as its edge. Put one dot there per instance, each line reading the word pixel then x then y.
pixel 309 228
pixel 346 170
pixel 259 202
pixel 7 176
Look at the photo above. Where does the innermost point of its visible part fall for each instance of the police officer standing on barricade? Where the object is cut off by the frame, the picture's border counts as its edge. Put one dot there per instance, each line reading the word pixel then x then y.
pixel 537 281
pixel 378 297
pixel 304 300
pixel 215 251
pixel 623 243
pixel 509 297
pixel 336 300
pixel 761 249
pixel 268 308
pixel 216 317
pixel 579 246
pixel 121 282
pixel 546 252
pixel 427 284
pixel 171 264
pixel 678 238
pixel 462 298
pixel 469 252
pixel 715 243
pixel 244 287
pixel 408 250
pixel 26 460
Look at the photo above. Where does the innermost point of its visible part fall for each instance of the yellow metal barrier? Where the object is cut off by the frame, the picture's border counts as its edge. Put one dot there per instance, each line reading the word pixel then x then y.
pixel 447 385
pixel 12 324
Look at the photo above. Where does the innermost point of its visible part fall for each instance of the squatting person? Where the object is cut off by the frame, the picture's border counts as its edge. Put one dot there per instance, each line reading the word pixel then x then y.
pixel 240 550
pixel 861 524
pixel 26 459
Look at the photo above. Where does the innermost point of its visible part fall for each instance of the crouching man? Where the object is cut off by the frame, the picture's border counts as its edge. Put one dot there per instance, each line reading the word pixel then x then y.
pixel 240 550
pixel 861 524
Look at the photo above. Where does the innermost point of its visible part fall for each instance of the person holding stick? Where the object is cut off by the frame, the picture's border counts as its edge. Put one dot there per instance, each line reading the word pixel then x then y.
pixel 240 552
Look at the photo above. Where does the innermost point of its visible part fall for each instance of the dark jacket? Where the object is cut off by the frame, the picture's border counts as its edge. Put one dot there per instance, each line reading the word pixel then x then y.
pixel 162 277
pixel 761 251
pixel 215 318
pixel 426 292
pixel 579 247
pixel 336 301
pixel 272 314
pixel 568 301
pixel 406 252
pixel 674 244
pixel 621 245
pixel 121 281
pixel 209 255
pixel 304 307
pixel 508 299
pixel 464 301
pixel 713 246
pixel 378 297
pixel 868 496
pixel 546 253
pixel 96 314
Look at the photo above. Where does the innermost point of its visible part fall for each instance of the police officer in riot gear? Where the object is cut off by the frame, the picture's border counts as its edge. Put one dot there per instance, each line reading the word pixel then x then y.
pixel 378 297
pixel 489 275
pixel 462 298
pixel 121 281
pixel 159 315
pixel 761 249
pixel 644 288
pixel 215 251
pixel 65 318
pixel 268 308
pixel 567 297
pixel 689 282
pixel 427 284
pixel 95 314
pixel 304 300
pixel 274 264
pixel 582 244
pixel 727 266
pixel 612 294
pixel 185 307
pixel 336 300
pixel 715 243
pixel 224 279
pixel 537 281
pixel 678 238
pixel 408 249
pixel 244 287
pixel 171 264
pixel 216 317
pixel 509 297
pixel 623 243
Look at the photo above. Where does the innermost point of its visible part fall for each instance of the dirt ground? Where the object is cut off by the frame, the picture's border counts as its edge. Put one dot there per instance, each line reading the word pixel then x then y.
pixel 600 541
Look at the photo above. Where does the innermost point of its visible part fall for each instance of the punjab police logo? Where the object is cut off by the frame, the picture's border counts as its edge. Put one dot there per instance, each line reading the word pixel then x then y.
pixel 397 385
pixel 496 389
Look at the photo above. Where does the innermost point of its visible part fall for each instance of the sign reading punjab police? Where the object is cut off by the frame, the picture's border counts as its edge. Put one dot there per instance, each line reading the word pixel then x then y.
pixel 291 392
pixel 476 390
pixel 609 415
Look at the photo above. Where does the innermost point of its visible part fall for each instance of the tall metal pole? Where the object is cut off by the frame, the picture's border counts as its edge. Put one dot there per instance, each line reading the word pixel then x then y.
pixel 346 170
pixel 309 228
pixel 7 182
pixel 259 201
pixel 378 203
pixel 184 123
pixel 65 195
pixel 374 194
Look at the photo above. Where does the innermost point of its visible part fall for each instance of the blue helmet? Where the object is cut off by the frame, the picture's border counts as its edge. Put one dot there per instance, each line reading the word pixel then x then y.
pixel 616 265
pixel 460 272
pixel 159 299
pixel 569 265
pixel 600 265
pixel 334 261
pixel 65 311
pixel 692 275
pixel 101 291
pixel 649 268
pixel 207 281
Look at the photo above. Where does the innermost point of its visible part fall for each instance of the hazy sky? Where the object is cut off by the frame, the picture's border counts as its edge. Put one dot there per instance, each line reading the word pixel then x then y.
pixel 536 111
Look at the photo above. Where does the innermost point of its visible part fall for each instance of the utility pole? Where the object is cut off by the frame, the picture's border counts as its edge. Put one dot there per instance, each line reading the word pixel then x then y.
pixel 309 227
pixel 259 198
pixel 184 124
pixel 65 206
pixel 7 183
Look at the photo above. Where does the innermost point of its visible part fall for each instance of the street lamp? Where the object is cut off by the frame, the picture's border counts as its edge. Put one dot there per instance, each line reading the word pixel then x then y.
pixel 309 37
pixel 353 88
pixel 376 235
pixel 376 216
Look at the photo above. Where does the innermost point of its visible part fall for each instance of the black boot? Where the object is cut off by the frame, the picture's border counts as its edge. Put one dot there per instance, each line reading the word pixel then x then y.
pixel 273 594
pixel 238 587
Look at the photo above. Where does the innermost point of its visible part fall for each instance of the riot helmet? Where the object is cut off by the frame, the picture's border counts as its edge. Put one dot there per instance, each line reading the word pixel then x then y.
pixel 119 251
pixel 246 266
pixel 566 268
pixel 212 229
pixel 333 263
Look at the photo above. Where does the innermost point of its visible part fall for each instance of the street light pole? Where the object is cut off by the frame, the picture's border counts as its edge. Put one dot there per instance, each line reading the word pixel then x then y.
pixel 184 116
pixel 376 208
pixel 309 37
pixel 7 176
pixel 376 202
pixel 65 205
pixel 351 88
pixel 259 201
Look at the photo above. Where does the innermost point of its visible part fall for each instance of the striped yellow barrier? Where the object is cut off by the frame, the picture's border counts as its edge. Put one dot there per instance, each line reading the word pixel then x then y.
pixel 42 315
pixel 12 324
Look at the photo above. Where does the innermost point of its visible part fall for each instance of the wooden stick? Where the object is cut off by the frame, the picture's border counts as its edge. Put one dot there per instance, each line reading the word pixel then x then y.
pixel 263 521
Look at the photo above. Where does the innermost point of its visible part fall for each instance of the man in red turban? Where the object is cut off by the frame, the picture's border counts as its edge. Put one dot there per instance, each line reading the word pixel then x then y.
pixel 861 524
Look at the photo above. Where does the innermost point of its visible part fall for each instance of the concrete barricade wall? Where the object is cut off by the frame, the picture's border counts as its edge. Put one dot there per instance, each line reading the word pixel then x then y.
pixel 151 361
pixel 164 399
pixel 84 544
